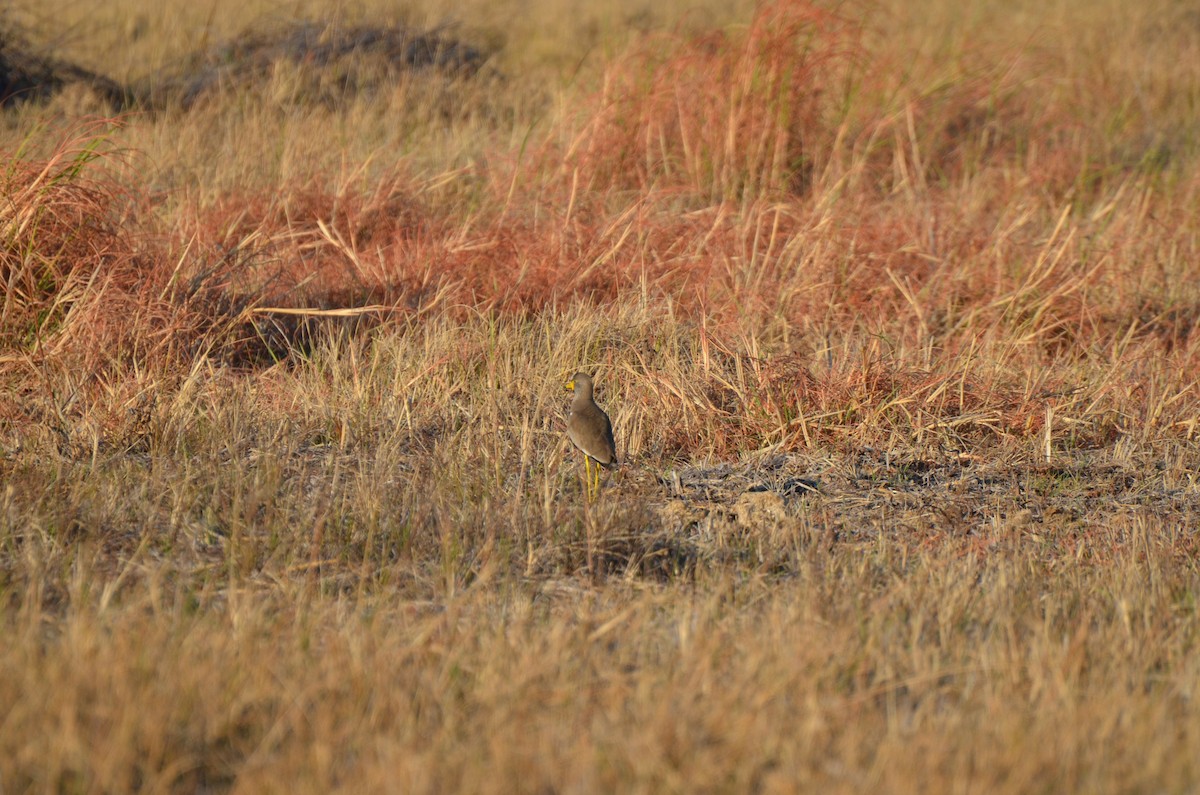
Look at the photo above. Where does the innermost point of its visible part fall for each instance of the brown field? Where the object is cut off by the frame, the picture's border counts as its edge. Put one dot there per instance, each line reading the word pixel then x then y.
pixel 893 306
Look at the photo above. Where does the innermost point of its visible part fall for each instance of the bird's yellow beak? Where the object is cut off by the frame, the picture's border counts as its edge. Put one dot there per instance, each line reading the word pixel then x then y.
pixel 570 385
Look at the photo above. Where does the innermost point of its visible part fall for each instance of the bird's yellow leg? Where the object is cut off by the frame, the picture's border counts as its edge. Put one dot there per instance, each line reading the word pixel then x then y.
pixel 587 477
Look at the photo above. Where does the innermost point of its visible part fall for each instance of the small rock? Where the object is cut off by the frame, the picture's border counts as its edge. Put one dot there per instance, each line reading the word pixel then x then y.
pixel 759 508
pixel 678 514
pixel 1021 519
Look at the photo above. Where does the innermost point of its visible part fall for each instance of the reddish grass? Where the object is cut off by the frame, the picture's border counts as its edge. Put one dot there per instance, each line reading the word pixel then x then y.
pixel 64 245
pixel 924 221
pixel 723 116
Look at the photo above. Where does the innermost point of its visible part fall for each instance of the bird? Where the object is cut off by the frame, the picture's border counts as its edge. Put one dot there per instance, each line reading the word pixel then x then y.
pixel 589 429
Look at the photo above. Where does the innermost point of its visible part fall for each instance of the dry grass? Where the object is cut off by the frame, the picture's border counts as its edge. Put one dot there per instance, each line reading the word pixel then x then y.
pixel 894 313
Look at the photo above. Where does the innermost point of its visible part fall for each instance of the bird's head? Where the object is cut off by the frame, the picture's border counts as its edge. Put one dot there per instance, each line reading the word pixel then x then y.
pixel 580 382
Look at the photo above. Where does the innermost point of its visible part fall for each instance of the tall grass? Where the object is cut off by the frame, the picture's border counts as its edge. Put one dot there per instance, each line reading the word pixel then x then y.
pixel 895 317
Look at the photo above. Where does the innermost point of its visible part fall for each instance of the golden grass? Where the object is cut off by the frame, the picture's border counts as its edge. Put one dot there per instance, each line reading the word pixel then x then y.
pixel 894 314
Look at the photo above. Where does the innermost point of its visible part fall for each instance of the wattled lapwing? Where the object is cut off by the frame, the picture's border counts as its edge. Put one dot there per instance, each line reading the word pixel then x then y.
pixel 590 430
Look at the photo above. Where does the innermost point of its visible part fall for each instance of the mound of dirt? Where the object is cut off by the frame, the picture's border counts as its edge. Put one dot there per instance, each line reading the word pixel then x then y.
pixel 338 61
pixel 354 59
pixel 26 76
